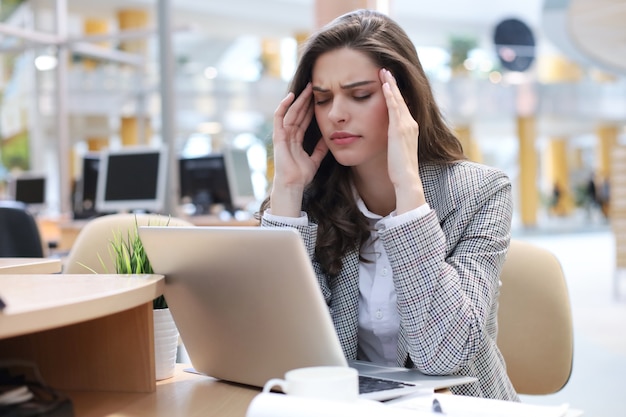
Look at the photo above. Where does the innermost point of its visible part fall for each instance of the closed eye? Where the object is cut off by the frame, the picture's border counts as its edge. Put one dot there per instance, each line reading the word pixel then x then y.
pixel 320 99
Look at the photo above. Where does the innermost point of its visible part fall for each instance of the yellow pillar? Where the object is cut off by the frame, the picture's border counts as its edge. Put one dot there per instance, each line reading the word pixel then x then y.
pixel 607 139
pixel 96 143
pixel 470 146
pixel 556 68
pixel 134 131
pixel 301 37
pixel 131 131
pixel 529 196
pixel 129 19
pixel 92 26
pixel 270 56
pixel 128 131
pixel 463 133
pixel 557 171
pixel 577 160
pixel 97 132
pixel 327 10
pixel 607 135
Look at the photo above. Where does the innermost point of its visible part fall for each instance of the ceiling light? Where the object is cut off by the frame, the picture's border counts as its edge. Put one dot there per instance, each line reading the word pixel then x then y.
pixel 210 73
pixel 46 62
pixel 210 128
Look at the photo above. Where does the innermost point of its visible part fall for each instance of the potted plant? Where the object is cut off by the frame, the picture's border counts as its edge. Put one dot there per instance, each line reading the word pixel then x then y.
pixel 129 257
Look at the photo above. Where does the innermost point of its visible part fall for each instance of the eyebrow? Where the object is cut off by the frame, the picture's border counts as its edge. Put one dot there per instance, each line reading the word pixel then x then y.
pixel 345 87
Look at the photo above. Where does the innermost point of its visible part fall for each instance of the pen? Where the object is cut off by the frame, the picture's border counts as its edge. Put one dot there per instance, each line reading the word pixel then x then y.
pixel 437 406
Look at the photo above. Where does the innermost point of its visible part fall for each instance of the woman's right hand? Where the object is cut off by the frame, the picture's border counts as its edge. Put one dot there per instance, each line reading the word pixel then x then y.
pixel 294 168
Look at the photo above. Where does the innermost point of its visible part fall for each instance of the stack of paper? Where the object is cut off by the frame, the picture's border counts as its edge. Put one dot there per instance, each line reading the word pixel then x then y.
pixel 419 405
pixel 280 405
pixel 464 406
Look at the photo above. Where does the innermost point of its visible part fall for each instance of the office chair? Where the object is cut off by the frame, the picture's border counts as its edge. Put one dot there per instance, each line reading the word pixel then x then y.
pixel 95 239
pixel 535 332
pixel 19 234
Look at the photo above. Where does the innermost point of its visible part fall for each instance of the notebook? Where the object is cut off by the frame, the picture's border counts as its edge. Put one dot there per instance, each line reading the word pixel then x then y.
pixel 248 306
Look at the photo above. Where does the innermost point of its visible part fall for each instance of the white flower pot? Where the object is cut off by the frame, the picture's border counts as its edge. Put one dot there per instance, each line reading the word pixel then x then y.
pixel 165 343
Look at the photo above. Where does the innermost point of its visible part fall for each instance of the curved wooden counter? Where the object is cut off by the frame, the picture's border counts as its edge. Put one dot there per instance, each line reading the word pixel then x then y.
pixel 30 265
pixel 84 332
pixel 42 302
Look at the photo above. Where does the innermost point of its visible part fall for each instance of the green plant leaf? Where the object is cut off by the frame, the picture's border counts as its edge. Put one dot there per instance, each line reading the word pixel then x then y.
pixel 129 257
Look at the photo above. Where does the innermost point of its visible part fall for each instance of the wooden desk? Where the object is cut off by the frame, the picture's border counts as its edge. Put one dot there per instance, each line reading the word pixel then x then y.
pixel 69 230
pixel 49 227
pixel 184 395
pixel 92 337
pixel 84 332
pixel 215 221
pixel 30 266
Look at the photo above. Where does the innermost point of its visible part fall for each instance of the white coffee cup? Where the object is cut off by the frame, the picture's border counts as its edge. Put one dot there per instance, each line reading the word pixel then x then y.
pixel 339 383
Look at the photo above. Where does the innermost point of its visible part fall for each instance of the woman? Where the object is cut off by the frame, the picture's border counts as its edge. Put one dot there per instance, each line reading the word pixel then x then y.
pixel 406 237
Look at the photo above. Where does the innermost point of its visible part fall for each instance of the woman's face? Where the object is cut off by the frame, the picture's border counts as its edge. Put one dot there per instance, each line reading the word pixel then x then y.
pixel 350 107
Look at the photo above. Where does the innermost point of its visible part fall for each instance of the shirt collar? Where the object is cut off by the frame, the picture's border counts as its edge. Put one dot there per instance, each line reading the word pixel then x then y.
pixel 366 212
pixel 361 205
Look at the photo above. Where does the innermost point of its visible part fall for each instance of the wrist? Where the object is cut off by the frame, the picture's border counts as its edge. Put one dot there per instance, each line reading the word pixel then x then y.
pixel 286 201
pixel 409 197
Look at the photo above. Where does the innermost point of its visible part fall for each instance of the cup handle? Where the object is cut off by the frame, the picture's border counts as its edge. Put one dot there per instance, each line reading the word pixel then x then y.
pixel 275 382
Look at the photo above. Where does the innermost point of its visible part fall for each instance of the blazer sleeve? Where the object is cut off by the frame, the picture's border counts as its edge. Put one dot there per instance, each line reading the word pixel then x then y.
pixel 446 273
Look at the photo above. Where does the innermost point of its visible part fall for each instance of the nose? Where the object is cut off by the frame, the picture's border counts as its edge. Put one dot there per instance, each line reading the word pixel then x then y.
pixel 338 111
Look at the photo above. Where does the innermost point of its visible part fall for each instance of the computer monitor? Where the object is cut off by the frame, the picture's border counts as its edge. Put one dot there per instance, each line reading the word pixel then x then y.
pixel 239 177
pixel 87 185
pixel 132 179
pixel 204 183
pixel 29 188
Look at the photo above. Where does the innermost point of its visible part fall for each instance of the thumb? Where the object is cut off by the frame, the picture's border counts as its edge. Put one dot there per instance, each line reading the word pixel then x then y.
pixel 320 151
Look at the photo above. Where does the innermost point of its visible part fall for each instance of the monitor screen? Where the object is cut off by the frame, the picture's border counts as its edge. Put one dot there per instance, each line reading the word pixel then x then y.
pixel 239 177
pixel 131 179
pixel 29 188
pixel 86 188
pixel 204 182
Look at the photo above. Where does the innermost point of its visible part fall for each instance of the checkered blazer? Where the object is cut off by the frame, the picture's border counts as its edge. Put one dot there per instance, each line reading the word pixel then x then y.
pixel 446 268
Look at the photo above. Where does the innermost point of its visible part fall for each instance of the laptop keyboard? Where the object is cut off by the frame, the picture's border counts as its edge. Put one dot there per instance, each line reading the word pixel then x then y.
pixel 369 384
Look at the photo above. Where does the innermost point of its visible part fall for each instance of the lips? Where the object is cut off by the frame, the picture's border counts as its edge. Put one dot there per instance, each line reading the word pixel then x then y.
pixel 343 138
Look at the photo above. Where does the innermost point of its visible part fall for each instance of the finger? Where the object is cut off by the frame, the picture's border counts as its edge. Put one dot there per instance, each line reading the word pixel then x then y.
pixel 304 102
pixel 281 110
pixel 319 152
pixel 390 90
pixel 299 109
pixel 306 119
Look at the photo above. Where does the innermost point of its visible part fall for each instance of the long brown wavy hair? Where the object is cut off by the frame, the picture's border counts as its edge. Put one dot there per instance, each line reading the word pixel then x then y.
pixel 329 199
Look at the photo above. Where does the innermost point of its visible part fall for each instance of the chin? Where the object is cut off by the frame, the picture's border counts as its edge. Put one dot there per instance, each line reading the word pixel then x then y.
pixel 345 161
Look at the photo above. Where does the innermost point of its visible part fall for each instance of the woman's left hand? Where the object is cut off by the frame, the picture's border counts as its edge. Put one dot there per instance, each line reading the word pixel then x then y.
pixel 403 133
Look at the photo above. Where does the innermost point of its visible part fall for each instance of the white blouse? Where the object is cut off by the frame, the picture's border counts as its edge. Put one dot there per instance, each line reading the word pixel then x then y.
pixel 379 319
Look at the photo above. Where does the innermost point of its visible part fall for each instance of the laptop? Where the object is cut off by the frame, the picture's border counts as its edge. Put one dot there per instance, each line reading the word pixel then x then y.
pixel 248 307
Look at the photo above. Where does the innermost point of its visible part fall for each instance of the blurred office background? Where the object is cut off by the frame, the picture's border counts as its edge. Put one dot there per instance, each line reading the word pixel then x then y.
pixel 536 88
pixel 546 101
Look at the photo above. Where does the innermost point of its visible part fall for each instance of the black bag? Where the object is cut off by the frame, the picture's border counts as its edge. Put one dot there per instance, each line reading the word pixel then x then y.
pixel 23 396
